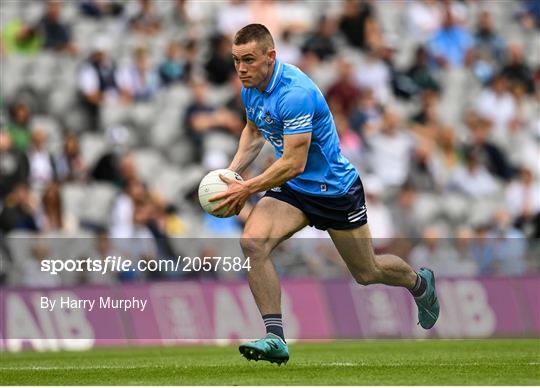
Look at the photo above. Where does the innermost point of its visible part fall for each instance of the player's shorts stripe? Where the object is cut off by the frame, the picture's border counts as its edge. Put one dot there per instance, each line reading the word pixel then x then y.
pixel 356 218
pixel 357 215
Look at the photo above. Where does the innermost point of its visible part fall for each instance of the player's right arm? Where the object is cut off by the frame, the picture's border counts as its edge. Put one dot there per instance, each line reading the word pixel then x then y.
pixel 251 143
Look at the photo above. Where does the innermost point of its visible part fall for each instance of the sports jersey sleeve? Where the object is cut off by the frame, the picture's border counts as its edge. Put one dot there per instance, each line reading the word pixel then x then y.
pixel 296 109
pixel 245 100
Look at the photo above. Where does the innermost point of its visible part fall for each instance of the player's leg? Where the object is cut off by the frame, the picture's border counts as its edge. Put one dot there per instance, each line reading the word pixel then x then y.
pixel 270 222
pixel 355 247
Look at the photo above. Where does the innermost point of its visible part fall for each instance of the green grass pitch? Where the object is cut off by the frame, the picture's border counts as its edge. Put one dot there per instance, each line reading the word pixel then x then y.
pixel 389 362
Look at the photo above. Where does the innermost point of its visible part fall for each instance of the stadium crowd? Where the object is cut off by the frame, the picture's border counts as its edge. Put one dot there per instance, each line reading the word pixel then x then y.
pixel 112 111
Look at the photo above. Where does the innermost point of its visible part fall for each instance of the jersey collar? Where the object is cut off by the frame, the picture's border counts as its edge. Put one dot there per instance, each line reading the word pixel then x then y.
pixel 276 75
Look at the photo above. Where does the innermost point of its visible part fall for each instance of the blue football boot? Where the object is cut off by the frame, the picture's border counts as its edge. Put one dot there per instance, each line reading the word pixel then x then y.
pixel 270 348
pixel 428 304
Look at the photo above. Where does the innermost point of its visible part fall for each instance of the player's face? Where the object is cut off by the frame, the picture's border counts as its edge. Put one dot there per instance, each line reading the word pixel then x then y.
pixel 253 64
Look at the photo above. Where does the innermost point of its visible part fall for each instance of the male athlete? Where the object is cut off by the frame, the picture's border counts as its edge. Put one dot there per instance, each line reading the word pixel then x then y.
pixel 310 183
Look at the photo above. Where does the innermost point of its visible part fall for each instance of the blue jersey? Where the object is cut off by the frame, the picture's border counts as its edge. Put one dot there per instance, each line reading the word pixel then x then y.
pixel 292 104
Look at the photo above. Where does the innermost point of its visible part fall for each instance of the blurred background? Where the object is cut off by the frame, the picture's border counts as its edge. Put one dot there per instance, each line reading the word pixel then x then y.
pixel 112 111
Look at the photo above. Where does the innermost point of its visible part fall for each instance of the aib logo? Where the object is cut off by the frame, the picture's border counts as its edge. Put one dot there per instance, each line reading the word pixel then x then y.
pixel 268 118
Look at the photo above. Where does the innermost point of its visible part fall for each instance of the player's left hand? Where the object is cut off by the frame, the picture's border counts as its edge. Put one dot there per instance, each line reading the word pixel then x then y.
pixel 234 198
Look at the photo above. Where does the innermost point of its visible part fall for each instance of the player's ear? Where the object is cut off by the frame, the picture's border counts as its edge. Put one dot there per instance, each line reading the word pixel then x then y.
pixel 271 55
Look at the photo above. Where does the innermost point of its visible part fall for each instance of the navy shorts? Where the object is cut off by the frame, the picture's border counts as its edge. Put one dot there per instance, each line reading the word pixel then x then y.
pixel 345 212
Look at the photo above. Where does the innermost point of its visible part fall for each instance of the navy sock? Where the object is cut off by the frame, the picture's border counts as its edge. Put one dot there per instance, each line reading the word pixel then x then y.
pixel 419 287
pixel 274 325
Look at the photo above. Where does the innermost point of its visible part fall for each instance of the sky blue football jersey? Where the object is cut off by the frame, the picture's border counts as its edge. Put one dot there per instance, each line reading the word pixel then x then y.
pixel 292 104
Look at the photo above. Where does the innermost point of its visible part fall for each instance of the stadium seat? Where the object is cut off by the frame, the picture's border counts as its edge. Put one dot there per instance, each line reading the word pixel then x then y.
pixel 102 196
pixel 92 147
pixel 164 132
pixel 181 153
pixel 148 162
pixel 168 182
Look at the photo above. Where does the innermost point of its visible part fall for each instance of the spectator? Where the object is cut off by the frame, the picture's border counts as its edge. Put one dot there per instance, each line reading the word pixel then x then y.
pixel 405 214
pixel 201 118
pixel 288 50
pixel 465 265
pixel 373 73
pixel 322 42
pixel 174 67
pixel 98 82
pixel 138 243
pixel 293 15
pixel 498 95
pixel 427 118
pixel 70 165
pixel 56 34
pixel 530 14
pixel 489 154
pixel 424 19
pixel 488 48
pixel 516 69
pixel 220 65
pixel 267 12
pixel 180 15
pixel 138 80
pixel 482 250
pixel 511 245
pixel 42 167
pixel 116 166
pixel 19 210
pixel 523 203
pixel 234 108
pixel 19 125
pixel 99 9
pixel 6 262
pixel 422 171
pixel 232 16
pixel 473 179
pixel 366 118
pixel 419 75
pixel 51 202
pixel 447 157
pixel 123 209
pixel 390 151
pixel 14 166
pixel 350 142
pixel 102 249
pixel 32 276
pixel 451 45
pixel 434 252
pixel 353 20
pixel 343 95
pixel 20 38
pixel 145 21
pixel 52 214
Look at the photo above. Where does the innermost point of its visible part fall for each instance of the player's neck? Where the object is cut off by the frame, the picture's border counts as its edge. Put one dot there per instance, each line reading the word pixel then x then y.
pixel 266 81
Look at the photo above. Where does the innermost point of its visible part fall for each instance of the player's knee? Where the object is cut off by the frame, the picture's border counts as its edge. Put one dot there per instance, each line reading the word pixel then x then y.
pixel 254 247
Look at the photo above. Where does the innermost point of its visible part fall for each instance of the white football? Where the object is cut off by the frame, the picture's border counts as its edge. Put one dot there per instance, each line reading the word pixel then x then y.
pixel 211 185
